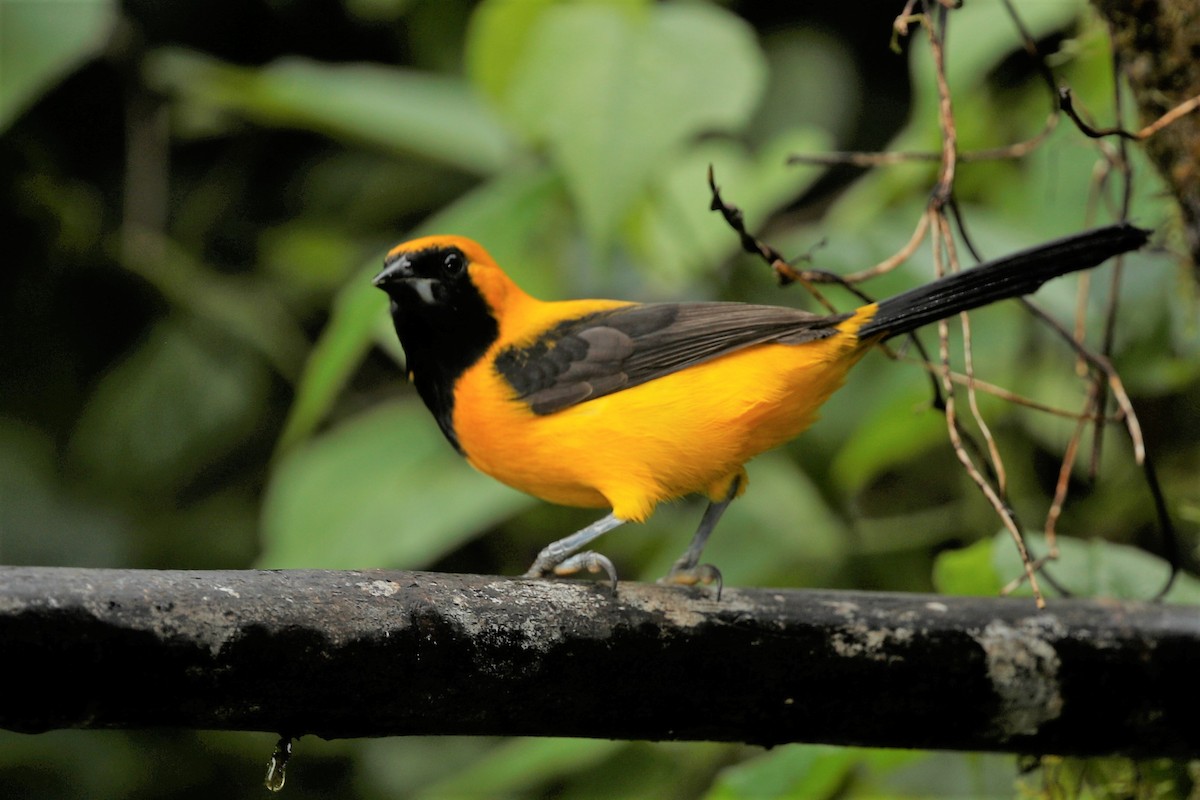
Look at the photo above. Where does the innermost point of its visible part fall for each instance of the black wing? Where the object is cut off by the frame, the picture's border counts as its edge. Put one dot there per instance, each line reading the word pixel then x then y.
pixel 598 354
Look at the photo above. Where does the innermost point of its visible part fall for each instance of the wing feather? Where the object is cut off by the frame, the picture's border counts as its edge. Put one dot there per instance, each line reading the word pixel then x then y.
pixel 598 354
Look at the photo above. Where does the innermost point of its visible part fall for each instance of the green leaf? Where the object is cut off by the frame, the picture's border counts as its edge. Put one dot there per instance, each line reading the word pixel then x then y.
pixel 496 37
pixel 517 765
pixel 45 520
pixel 676 230
pixel 398 766
pixel 241 306
pixel 181 400
pixel 896 425
pixel 382 490
pixel 1089 568
pixel 815 82
pixel 913 774
pixel 1098 568
pixel 355 314
pixel 803 771
pixel 810 772
pixel 638 85
pixel 429 115
pixel 968 571
pixel 982 35
pixel 42 42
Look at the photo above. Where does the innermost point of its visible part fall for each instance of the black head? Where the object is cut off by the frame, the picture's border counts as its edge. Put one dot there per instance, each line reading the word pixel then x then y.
pixel 444 323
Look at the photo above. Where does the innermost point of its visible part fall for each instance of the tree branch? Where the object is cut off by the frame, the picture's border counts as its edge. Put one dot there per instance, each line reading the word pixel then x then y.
pixel 377 653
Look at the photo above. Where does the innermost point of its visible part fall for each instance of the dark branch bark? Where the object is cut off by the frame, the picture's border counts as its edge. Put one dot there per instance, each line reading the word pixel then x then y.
pixel 342 654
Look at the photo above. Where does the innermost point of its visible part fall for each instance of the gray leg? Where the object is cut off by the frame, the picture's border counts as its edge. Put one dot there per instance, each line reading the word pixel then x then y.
pixel 688 570
pixel 563 557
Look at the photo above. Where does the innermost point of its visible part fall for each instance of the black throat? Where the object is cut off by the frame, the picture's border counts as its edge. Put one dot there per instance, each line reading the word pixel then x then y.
pixel 440 343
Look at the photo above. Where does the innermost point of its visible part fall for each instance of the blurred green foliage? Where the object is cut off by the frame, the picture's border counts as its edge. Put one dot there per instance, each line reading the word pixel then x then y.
pixel 198 374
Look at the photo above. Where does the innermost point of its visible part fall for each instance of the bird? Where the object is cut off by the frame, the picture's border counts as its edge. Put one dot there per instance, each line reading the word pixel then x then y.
pixel 622 405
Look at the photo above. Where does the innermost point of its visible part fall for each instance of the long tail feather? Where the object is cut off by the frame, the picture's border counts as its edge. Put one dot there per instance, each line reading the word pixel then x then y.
pixel 1012 276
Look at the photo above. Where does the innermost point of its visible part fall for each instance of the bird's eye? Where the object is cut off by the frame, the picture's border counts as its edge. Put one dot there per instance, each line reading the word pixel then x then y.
pixel 455 264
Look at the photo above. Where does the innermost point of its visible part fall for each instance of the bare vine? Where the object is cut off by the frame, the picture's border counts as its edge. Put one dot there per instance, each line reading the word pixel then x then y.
pixel 943 225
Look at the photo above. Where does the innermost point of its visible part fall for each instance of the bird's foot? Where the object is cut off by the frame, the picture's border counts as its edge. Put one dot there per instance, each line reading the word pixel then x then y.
pixel 693 574
pixel 588 561
pixel 565 557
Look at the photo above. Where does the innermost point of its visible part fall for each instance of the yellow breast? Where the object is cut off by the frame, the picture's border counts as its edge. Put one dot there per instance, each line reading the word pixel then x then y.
pixel 688 432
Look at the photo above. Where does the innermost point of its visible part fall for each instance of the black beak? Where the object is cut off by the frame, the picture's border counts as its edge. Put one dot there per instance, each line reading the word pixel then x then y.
pixel 394 271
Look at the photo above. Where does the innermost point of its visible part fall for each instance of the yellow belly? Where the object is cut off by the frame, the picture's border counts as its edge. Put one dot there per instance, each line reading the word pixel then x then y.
pixel 688 432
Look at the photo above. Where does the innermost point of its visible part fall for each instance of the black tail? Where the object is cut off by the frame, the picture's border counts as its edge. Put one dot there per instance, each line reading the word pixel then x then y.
pixel 1012 276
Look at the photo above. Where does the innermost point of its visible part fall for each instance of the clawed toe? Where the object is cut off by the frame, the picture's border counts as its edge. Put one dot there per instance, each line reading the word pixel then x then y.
pixel 690 576
pixel 564 558
pixel 590 561
pixel 587 561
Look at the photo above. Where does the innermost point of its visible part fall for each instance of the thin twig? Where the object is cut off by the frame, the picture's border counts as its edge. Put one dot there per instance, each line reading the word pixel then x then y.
pixel 973 402
pixel 783 270
pixel 1038 563
pixel 1141 457
pixel 1005 512
pixel 1064 102
pixel 902 21
pixel 944 189
pixel 1114 287
pixel 1184 108
pixel 1050 528
pixel 996 471
pixel 895 260
pixel 933 19
pixel 860 158
pixel 941 196
pixel 1112 380
pixel 808 278
pixel 1012 397
pixel 1039 63
pixel 1067 103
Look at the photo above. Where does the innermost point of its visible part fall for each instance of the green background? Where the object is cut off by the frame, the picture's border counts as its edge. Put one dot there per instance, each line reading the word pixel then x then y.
pixel 197 373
